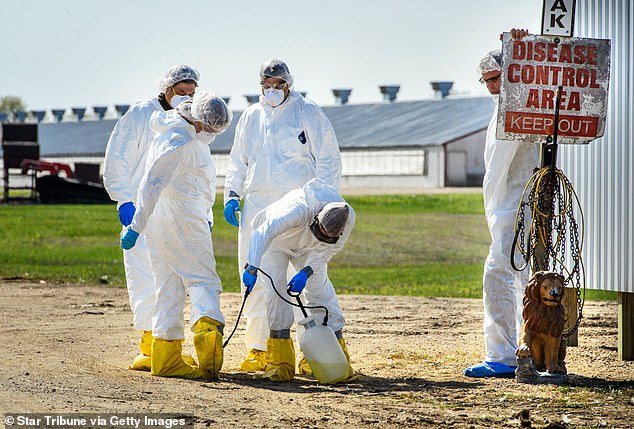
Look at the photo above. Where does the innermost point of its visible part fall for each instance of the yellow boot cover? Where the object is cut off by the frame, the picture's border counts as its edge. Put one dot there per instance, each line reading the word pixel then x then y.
pixel 304 368
pixel 167 361
pixel 143 361
pixel 280 355
pixel 351 376
pixel 255 361
pixel 208 343
pixel 145 344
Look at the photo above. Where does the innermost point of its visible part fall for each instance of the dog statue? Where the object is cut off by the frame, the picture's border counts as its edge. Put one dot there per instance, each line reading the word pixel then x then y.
pixel 544 320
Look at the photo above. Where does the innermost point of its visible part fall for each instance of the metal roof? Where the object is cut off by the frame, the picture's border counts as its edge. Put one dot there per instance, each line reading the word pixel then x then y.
pixel 409 123
pixel 85 138
pixel 373 125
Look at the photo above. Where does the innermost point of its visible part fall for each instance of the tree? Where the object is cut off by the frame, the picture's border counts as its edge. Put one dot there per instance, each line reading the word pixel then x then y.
pixel 11 104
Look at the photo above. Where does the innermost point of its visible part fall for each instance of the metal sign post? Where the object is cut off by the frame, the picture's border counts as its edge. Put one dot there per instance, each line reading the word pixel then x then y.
pixel 545 199
pixel 553 91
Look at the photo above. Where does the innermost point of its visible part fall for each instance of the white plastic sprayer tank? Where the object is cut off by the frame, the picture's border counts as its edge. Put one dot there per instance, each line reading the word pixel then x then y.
pixel 323 352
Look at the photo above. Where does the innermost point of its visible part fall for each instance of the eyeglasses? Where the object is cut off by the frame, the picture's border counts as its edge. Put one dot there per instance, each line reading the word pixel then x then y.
pixel 278 86
pixel 490 80
pixel 176 92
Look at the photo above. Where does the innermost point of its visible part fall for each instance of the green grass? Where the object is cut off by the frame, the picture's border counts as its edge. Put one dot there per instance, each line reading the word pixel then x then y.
pixel 60 243
pixel 423 245
pixel 429 245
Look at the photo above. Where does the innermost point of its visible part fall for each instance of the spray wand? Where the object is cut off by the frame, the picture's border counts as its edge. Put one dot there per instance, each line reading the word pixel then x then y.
pixel 299 304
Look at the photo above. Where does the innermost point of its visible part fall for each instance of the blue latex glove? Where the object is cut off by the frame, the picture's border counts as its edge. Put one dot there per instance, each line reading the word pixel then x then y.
pixel 211 227
pixel 126 213
pixel 129 239
pixel 298 282
pixel 231 209
pixel 249 277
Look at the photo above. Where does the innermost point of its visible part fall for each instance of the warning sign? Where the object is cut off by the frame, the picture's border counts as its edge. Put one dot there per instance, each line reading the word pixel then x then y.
pixel 533 69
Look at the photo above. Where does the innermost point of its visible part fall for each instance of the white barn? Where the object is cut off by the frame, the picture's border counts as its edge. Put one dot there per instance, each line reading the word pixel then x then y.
pixel 405 144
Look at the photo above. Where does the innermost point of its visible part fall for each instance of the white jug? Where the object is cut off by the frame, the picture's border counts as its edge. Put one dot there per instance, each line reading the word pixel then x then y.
pixel 323 352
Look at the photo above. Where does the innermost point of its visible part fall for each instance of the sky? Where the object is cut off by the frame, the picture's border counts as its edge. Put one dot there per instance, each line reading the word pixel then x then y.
pixel 83 53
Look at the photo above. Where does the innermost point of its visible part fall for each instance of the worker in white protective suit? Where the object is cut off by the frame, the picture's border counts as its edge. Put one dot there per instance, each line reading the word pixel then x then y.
pixel 280 143
pixel 305 228
pixel 174 214
pixel 124 166
pixel 509 166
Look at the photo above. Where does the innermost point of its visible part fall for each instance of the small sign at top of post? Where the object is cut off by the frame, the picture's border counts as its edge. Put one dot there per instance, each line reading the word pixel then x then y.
pixel 558 18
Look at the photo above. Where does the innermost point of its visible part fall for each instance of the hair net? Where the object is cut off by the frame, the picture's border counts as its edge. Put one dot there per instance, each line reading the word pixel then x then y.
pixel 185 110
pixel 178 73
pixel 492 61
pixel 333 218
pixel 276 68
pixel 212 111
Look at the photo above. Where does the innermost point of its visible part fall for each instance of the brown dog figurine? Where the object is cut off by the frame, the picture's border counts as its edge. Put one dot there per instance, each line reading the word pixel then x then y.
pixel 544 320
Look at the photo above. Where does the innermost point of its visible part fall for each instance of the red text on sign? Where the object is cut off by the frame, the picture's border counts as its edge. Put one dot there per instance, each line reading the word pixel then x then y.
pixel 545 99
pixel 540 123
pixel 552 75
pixel 555 53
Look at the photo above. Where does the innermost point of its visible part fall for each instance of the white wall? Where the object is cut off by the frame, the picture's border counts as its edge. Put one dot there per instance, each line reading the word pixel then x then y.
pixel 405 168
pixel 601 172
pixel 472 147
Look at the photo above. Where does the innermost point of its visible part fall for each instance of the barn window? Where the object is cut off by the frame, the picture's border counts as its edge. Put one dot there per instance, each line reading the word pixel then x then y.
pixel 403 162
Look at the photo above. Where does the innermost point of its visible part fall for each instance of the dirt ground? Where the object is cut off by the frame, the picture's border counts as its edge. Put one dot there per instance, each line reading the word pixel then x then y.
pixel 65 349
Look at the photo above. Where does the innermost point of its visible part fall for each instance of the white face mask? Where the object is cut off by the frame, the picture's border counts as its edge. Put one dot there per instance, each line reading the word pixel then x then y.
pixel 206 137
pixel 178 99
pixel 273 96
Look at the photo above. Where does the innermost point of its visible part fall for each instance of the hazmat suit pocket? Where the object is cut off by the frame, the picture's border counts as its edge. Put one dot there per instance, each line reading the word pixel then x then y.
pixel 296 161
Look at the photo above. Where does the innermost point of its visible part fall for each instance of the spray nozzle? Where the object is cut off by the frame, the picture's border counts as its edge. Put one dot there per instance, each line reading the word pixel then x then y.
pixel 308 322
pixel 291 293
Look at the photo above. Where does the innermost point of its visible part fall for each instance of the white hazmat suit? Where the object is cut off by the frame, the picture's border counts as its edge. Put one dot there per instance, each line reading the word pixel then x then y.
pixel 508 168
pixel 286 232
pixel 124 167
pixel 281 234
pixel 275 150
pixel 173 211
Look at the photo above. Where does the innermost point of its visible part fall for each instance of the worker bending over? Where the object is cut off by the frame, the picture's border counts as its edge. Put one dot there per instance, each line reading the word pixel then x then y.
pixel 306 227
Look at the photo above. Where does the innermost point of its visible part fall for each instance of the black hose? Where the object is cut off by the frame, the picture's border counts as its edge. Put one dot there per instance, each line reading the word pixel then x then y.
pixel 300 305
pixel 244 300
pixel 526 257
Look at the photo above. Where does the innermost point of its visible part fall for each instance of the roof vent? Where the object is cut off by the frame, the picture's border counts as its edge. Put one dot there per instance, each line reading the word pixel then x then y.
pixel 252 98
pixel 121 108
pixel 59 114
pixel 341 95
pixel 39 114
pixel 20 116
pixel 389 92
pixel 441 88
pixel 303 93
pixel 100 111
pixel 226 100
pixel 79 111
pixel 4 116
